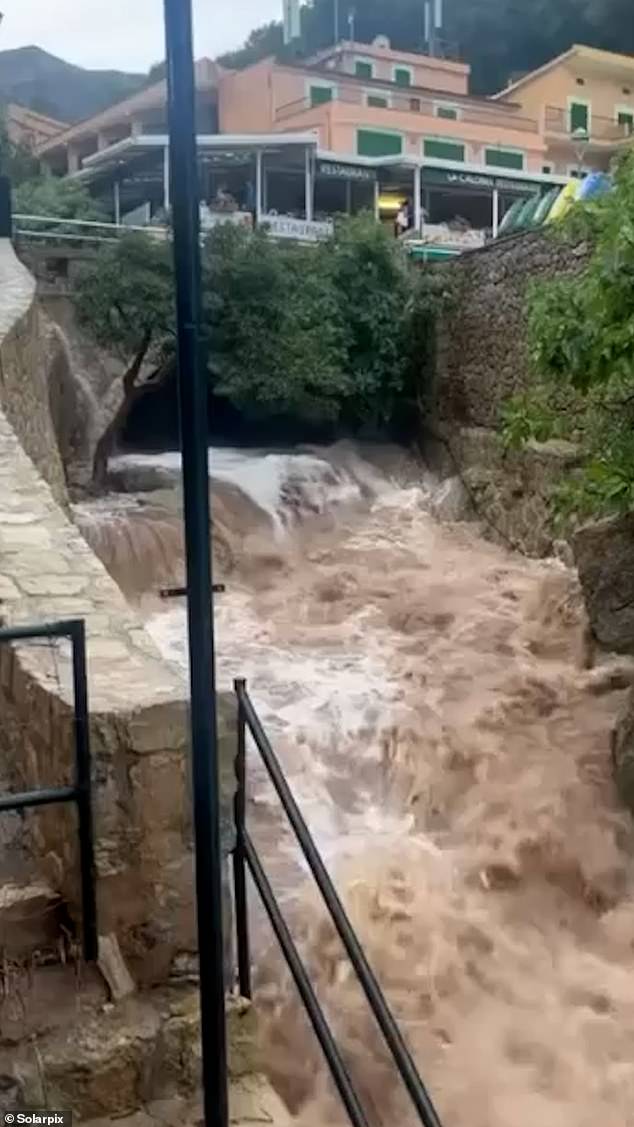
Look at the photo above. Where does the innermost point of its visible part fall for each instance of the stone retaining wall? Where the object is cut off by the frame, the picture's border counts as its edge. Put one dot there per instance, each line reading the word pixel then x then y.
pixel 510 491
pixel 481 360
pixel 482 356
pixel 27 349
pixel 137 705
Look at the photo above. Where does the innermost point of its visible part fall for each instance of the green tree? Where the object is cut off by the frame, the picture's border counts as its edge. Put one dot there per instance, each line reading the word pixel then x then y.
pixel 317 333
pixel 276 337
pixel 262 42
pixel 581 335
pixel 59 198
pixel 373 287
pixel 16 160
pixel 126 300
pixel 500 38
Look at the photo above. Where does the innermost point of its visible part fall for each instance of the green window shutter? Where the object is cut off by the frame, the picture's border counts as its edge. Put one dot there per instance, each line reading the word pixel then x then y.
pixel 447 112
pixel 578 116
pixel 626 118
pixel 320 94
pixel 504 158
pixel 402 77
pixel 363 70
pixel 372 143
pixel 443 150
pixel 377 100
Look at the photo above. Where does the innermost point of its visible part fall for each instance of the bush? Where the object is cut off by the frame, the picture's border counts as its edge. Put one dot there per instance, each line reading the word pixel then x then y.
pixel 581 336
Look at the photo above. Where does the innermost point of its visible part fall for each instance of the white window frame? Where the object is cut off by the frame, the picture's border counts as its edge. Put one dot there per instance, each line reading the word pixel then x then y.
pixel 448 106
pixel 378 94
pixel 445 141
pixel 363 59
pixel 403 66
pixel 487 147
pixel 323 84
pixel 574 101
pixel 624 109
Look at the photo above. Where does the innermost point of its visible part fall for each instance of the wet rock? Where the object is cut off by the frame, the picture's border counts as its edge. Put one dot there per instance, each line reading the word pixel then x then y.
pixel 451 501
pixel 562 551
pixel 604 555
pixel 623 754
pixel 104 1067
pixel 128 477
pixel 29 918
pixel 10 1092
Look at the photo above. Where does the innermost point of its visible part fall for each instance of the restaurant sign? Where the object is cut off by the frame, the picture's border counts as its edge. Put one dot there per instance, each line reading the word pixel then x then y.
pixel 477 180
pixel 305 230
pixel 345 171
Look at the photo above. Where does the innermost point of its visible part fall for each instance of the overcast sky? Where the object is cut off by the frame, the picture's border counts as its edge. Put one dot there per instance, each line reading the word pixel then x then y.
pixel 125 34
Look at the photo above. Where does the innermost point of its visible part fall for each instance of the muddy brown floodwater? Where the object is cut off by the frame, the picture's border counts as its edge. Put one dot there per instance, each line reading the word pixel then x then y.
pixel 425 692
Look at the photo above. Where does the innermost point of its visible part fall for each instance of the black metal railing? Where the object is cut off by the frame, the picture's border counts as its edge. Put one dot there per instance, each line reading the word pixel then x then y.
pixel 246 856
pixel 81 791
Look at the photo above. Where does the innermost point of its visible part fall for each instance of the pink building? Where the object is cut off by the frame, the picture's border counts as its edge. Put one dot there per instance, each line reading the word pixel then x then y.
pixel 355 127
pixel 368 100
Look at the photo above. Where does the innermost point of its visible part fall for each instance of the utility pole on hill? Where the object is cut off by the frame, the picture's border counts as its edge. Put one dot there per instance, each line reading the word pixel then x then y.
pixel 192 392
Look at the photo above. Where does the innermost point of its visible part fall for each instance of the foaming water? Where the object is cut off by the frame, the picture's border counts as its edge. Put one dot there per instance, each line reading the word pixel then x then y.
pixel 425 693
pixel 285 486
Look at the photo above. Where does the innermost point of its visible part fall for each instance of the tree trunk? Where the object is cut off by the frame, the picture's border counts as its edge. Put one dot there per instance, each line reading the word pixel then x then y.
pixel 132 393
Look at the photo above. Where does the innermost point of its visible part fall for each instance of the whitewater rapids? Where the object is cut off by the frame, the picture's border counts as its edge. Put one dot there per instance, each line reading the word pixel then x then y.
pixel 427 694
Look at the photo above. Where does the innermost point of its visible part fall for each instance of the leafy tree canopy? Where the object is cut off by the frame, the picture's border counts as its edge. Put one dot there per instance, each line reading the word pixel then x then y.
pixel 500 38
pixel 315 332
pixel 63 199
pixel 16 161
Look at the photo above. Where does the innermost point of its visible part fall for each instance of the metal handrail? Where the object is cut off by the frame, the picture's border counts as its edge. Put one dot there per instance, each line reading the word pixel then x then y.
pixel 557 120
pixel 244 856
pixel 116 227
pixel 81 792
pixel 78 230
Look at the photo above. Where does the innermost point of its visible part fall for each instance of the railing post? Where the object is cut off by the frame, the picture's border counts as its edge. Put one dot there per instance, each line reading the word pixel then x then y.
pixel 239 857
pixel 83 783
pixel 6 222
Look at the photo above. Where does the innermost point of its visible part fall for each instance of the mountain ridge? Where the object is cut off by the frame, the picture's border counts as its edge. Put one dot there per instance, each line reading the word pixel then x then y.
pixel 49 85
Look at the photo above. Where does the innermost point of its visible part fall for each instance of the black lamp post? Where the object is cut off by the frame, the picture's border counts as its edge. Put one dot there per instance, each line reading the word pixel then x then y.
pixel 192 385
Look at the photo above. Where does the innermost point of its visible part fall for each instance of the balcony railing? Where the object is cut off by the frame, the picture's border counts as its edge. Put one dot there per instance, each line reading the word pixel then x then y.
pixel 558 121
pixel 411 102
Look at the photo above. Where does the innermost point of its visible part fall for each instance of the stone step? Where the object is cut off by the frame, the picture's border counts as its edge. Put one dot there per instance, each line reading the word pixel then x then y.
pixel 30 919
pixel 107 1061
pixel 252 1102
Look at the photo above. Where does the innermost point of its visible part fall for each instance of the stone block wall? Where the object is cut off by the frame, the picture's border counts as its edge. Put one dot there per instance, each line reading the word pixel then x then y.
pixel 481 360
pixel 510 491
pixel 481 349
pixel 27 349
pixel 138 709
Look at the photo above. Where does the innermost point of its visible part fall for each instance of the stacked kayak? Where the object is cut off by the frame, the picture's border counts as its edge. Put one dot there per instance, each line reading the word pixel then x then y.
pixel 534 211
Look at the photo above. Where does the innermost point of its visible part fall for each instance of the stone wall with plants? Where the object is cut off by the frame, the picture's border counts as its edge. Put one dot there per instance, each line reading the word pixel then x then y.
pixel 482 355
pixel 138 710
pixel 481 360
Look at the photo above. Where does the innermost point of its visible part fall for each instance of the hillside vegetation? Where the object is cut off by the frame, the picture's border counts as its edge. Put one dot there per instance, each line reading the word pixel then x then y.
pixel 33 78
pixel 500 38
